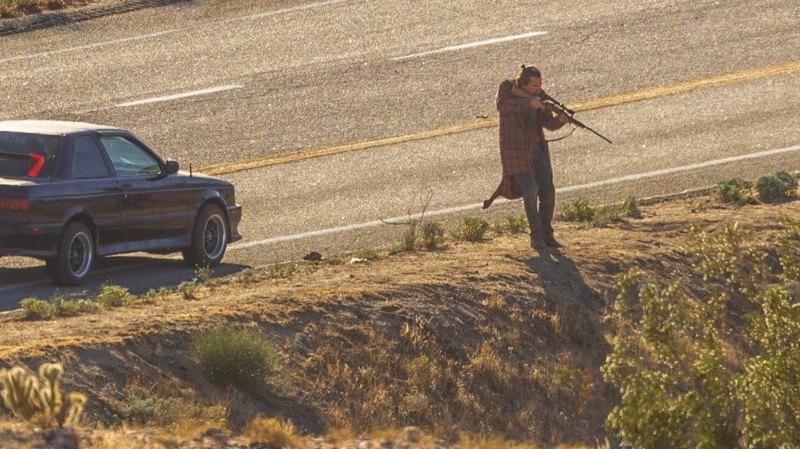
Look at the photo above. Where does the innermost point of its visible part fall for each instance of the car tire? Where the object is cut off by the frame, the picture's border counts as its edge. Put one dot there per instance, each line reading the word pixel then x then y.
pixel 209 238
pixel 75 256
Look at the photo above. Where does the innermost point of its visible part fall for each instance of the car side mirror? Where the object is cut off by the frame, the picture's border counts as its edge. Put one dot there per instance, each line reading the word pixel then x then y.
pixel 171 167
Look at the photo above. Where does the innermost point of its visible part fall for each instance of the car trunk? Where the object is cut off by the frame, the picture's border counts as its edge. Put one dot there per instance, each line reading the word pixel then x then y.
pixel 14 201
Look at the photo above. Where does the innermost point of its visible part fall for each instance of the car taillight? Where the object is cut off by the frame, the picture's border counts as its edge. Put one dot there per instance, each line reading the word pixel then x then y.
pixel 14 204
pixel 37 162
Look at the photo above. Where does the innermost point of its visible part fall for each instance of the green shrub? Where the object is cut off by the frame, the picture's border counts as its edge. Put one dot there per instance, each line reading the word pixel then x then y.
pixel 630 207
pixel 232 356
pixel 38 309
pixel 432 235
pixel 577 210
pixel 112 296
pixel 517 224
pixel 773 187
pixel 472 229
pixel 733 191
pixel 605 215
pixel 789 248
pixel 714 371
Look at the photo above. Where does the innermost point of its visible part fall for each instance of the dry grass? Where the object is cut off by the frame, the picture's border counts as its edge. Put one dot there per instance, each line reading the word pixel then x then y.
pixel 511 345
pixel 272 433
pixel 13 8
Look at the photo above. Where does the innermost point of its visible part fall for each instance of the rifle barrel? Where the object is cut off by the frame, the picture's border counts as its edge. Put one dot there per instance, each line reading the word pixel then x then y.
pixel 570 116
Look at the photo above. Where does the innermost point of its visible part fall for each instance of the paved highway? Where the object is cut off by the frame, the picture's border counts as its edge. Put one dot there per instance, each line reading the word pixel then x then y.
pixel 295 102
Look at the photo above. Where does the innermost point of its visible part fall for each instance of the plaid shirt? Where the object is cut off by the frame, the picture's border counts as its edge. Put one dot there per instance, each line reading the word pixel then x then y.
pixel 520 134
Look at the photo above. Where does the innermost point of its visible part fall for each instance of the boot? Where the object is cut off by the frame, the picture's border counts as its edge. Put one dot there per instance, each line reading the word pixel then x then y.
pixel 551 241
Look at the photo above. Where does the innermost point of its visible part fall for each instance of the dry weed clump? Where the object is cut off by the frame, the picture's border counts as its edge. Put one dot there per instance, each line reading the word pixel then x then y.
pixel 272 433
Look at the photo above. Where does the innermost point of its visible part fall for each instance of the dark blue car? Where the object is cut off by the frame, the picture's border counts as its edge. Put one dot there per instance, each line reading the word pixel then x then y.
pixel 70 192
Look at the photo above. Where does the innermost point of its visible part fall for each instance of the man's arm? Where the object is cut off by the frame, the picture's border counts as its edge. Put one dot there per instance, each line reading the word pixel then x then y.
pixel 508 103
pixel 553 121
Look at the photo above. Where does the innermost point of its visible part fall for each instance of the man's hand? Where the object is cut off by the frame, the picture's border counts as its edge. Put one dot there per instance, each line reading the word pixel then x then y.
pixel 536 103
pixel 563 119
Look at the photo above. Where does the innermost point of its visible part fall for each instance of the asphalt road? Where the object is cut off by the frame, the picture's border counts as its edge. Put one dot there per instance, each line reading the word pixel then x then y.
pixel 226 82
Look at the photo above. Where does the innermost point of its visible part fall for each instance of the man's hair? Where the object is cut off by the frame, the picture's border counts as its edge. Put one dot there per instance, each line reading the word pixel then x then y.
pixel 526 73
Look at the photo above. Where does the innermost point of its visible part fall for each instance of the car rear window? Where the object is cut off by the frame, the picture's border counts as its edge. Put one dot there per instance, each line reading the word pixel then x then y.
pixel 24 155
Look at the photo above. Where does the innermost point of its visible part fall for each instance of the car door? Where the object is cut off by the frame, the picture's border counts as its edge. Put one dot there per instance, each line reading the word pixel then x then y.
pixel 98 192
pixel 154 205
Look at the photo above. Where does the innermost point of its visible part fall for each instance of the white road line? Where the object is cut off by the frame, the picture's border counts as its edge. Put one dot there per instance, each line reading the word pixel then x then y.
pixel 475 206
pixel 170 31
pixel 193 93
pixel 282 11
pixel 471 45
pixel 465 208
pixel 94 45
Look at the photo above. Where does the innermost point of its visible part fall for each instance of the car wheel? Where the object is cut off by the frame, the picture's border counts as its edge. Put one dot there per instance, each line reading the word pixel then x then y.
pixel 75 256
pixel 209 238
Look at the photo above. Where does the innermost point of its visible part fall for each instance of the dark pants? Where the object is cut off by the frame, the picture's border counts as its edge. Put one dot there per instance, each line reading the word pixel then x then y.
pixel 538 195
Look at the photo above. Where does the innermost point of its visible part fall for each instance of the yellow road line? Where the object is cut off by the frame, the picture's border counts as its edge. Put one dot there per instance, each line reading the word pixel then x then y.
pixel 585 105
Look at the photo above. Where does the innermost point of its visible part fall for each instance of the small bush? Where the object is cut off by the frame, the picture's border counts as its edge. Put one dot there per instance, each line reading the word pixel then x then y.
pixel 38 309
pixel 472 229
pixel 773 187
pixel 577 210
pixel 605 215
pixel 630 207
pixel 432 235
pixel 112 296
pixel 239 357
pixel 517 225
pixel 409 240
pixel 733 191
pixel 271 433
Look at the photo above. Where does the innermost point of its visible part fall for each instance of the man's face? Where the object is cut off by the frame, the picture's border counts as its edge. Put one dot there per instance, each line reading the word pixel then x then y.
pixel 534 86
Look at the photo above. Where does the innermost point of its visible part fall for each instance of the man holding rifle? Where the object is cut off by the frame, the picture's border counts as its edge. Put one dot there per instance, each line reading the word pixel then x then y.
pixel 524 153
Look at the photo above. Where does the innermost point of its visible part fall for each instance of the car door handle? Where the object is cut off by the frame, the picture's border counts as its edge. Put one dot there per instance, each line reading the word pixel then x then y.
pixel 125 188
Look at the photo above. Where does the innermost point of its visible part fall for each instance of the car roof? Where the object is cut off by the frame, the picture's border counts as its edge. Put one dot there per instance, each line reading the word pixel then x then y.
pixel 50 127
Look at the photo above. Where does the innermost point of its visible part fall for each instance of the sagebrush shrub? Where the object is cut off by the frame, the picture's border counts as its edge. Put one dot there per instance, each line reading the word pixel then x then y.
pixel 472 229
pixel 233 356
pixel 733 191
pixel 577 210
pixel 773 187
pixel 38 309
pixel 714 371
pixel 112 296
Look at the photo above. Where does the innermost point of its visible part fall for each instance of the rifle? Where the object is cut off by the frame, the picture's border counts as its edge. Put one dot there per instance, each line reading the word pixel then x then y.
pixel 569 113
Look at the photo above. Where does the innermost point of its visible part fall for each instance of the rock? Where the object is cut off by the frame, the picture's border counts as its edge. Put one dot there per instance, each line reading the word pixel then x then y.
pixel 63 439
pixel 313 256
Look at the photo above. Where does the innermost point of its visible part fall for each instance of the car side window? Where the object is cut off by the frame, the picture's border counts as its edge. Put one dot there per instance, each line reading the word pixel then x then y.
pixel 87 161
pixel 128 158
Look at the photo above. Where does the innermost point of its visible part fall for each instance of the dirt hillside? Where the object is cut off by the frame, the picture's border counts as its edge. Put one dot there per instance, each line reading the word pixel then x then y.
pixel 486 338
